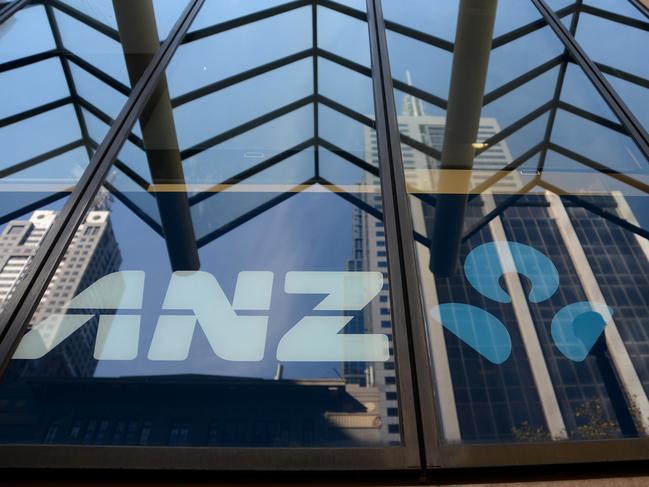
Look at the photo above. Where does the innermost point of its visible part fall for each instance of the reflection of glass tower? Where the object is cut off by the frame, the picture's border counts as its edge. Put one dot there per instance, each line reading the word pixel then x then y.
pixel 579 244
pixel 537 386
pixel 369 235
pixel 93 253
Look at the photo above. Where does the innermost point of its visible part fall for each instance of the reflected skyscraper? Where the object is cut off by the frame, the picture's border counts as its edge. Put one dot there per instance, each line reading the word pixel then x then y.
pixel 537 389
pixel 93 253
pixel 369 244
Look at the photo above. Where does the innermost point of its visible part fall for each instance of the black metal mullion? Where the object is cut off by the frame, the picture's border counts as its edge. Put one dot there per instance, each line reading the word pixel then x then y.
pixel 624 75
pixel 357 161
pixel 97 73
pixel 419 93
pixel 347 196
pixel 515 34
pixel 7 217
pixel 245 127
pixel 238 78
pixel 249 215
pixel 558 89
pixel 108 120
pixel 577 201
pixel 505 171
pixel 246 19
pixel 348 112
pixel 421 147
pixel 69 80
pixel 620 176
pixel 19 309
pixel 418 35
pixel 85 19
pixel 41 158
pixel 612 99
pixel 11 9
pixel 130 173
pixel 644 10
pixel 33 112
pixel 528 28
pixel 580 112
pixel 484 221
pixel 518 124
pixel 330 56
pixel 27 60
pixel 343 9
pixel 316 89
pixel 413 368
pixel 613 17
pixel 522 79
pixel 251 171
pixel 141 214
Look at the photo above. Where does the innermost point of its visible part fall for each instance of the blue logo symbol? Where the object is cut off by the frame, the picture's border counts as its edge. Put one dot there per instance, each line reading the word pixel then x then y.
pixel 479 329
pixel 575 328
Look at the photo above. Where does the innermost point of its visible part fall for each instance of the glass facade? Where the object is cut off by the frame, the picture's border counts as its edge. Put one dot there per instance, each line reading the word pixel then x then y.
pixel 324 233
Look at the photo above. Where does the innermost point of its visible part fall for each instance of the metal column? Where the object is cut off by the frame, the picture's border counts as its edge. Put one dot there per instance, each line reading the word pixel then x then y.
pixel 473 40
pixel 139 35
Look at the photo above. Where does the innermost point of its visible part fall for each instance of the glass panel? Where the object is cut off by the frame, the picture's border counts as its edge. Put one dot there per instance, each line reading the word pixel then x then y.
pixel 63 80
pixel 625 8
pixel 166 12
pixel 26 33
pixel 30 78
pixel 615 35
pixel 530 210
pixel 251 275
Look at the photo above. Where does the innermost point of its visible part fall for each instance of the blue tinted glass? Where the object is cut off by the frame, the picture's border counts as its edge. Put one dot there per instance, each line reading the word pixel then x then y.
pixel 250 195
pixel 614 35
pixel 237 257
pixel 529 208
pixel 63 81
pixel 44 81
pixel 26 33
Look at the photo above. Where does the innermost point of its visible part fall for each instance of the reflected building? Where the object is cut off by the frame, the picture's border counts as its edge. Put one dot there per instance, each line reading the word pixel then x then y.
pixel 190 410
pixel 537 389
pixel 369 244
pixel 92 254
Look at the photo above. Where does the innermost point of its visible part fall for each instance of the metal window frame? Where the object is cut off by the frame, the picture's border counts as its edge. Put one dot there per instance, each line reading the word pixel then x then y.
pixel 437 453
pixel 423 446
pixel 20 308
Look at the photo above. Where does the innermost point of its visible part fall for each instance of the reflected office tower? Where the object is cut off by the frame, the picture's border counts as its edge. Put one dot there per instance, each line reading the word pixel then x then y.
pixel 537 389
pixel 369 247
pixel 92 254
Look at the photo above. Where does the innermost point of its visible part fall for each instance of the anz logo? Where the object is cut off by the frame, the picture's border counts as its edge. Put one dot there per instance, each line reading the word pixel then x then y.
pixel 575 328
pixel 196 299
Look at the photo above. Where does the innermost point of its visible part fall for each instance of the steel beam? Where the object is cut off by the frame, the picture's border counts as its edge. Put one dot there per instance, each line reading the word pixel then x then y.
pixel 474 35
pixel 140 41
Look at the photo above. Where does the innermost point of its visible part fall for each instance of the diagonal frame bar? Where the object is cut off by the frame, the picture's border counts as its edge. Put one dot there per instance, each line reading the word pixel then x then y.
pixel 612 99
pixel 20 308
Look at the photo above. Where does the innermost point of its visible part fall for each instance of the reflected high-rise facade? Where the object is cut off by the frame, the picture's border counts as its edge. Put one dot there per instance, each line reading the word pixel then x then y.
pixel 93 253
pixel 548 393
pixel 538 392
pixel 369 245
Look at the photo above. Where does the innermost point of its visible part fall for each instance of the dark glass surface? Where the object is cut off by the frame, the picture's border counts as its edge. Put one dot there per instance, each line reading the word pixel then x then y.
pixel 234 291
pixel 523 181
